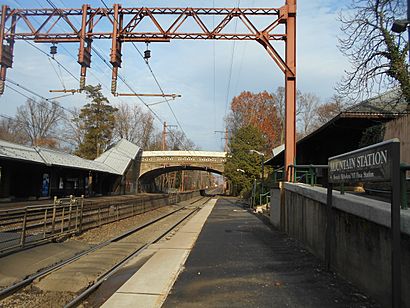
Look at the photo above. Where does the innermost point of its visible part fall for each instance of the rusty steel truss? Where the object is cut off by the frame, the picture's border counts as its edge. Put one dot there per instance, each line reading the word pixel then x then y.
pixel 122 25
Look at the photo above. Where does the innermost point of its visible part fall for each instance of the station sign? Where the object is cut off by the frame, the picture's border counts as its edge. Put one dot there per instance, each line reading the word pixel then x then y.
pixel 369 164
pixel 378 162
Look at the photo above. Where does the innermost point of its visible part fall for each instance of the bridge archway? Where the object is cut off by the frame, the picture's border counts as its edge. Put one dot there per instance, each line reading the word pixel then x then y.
pixel 147 180
pixel 156 163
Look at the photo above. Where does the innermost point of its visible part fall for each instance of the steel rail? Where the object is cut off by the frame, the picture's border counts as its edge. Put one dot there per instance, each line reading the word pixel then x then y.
pixel 119 265
pixel 94 215
pixel 14 288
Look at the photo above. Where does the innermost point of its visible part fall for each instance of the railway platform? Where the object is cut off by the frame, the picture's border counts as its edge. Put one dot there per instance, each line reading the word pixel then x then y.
pixel 228 257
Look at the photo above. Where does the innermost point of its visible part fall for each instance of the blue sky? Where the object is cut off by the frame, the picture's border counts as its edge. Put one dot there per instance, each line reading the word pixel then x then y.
pixel 187 67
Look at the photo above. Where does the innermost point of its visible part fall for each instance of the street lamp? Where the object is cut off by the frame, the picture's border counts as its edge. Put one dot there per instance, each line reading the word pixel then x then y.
pixel 400 25
pixel 240 170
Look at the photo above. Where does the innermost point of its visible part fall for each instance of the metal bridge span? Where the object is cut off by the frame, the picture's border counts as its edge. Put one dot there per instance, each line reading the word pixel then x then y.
pixel 155 163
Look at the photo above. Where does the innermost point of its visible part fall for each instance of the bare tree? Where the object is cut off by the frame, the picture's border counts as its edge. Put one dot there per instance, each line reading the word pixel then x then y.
pixel 327 111
pixel 9 131
pixel 280 103
pixel 177 141
pixel 306 111
pixel 378 56
pixel 38 122
pixel 74 132
pixel 133 124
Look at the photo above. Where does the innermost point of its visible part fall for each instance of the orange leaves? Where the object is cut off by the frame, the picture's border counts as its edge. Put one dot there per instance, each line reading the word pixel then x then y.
pixel 258 110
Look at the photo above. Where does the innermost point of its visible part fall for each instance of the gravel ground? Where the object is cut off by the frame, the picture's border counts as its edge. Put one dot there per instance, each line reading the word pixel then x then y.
pixel 108 231
pixel 33 297
pixel 30 297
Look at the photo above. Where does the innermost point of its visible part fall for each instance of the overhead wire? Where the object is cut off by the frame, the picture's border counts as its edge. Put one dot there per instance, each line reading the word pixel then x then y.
pixel 52 101
pixel 57 73
pixel 55 60
pixel 106 63
pixel 158 84
pixel 214 68
pixel 245 45
pixel 19 121
pixel 231 65
pixel 14 119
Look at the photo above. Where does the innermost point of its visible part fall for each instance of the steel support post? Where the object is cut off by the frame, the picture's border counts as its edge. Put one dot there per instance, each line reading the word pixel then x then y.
pixel 2 30
pixel 329 226
pixel 84 52
pixel 115 57
pixel 395 227
pixel 290 88
pixel 408 26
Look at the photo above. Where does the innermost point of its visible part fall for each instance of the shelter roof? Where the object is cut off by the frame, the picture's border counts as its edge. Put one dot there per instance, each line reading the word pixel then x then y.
pixel 119 156
pixel 113 161
pixel 390 102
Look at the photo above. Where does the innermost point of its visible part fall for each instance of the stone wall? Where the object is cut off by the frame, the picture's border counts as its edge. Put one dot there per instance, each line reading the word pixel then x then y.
pixel 360 250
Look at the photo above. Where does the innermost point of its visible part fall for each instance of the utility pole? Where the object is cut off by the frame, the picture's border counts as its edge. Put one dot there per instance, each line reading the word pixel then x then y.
pixel 164 137
pixel 226 138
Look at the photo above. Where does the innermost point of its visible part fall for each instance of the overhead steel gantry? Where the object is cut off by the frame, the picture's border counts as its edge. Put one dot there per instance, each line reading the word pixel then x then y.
pixel 122 25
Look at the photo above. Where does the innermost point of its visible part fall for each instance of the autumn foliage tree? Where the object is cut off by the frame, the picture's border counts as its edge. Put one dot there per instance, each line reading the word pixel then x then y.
pixel 257 110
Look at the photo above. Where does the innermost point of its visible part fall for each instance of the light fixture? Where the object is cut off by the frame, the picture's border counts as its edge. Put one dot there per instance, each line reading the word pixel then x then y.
pixel 400 25
pixel 53 50
pixel 147 54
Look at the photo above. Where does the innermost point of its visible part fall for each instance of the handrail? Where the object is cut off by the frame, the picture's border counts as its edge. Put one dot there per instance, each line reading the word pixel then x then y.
pixel 310 174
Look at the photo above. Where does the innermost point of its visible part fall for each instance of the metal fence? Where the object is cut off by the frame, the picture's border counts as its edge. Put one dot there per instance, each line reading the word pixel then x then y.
pixel 31 225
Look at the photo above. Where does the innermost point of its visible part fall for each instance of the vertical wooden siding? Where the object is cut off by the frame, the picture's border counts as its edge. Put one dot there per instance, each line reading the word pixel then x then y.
pixel 400 128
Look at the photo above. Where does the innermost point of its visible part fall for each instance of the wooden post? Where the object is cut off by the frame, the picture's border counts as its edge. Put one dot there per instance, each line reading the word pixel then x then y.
pixel 70 212
pixel 23 229
pixel 45 223
pixel 81 213
pixel 62 219
pixel 53 219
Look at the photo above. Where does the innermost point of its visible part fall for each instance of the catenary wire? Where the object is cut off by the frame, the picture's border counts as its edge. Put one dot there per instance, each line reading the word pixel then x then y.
pixel 157 82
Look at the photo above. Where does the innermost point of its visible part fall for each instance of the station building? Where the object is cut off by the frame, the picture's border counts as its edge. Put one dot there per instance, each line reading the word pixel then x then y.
pixel 34 172
pixel 383 117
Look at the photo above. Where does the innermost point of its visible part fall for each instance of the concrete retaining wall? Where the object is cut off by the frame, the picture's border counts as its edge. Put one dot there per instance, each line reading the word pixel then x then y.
pixel 361 245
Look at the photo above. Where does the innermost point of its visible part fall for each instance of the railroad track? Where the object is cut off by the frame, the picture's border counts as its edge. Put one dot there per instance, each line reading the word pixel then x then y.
pixel 181 214
pixel 35 225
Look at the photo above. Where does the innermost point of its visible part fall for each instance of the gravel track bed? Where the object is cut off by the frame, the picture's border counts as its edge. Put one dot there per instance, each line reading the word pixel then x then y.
pixel 108 231
pixel 31 296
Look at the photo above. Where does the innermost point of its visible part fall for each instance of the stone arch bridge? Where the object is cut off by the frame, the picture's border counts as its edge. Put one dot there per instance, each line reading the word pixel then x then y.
pixel 155 163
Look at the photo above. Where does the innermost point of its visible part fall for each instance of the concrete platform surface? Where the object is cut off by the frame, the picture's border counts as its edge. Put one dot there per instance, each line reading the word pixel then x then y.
pixel 239 261
pixel 149 286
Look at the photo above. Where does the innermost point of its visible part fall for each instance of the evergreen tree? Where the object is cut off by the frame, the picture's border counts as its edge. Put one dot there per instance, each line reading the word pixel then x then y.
pixel 239 158
pixel 97 120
